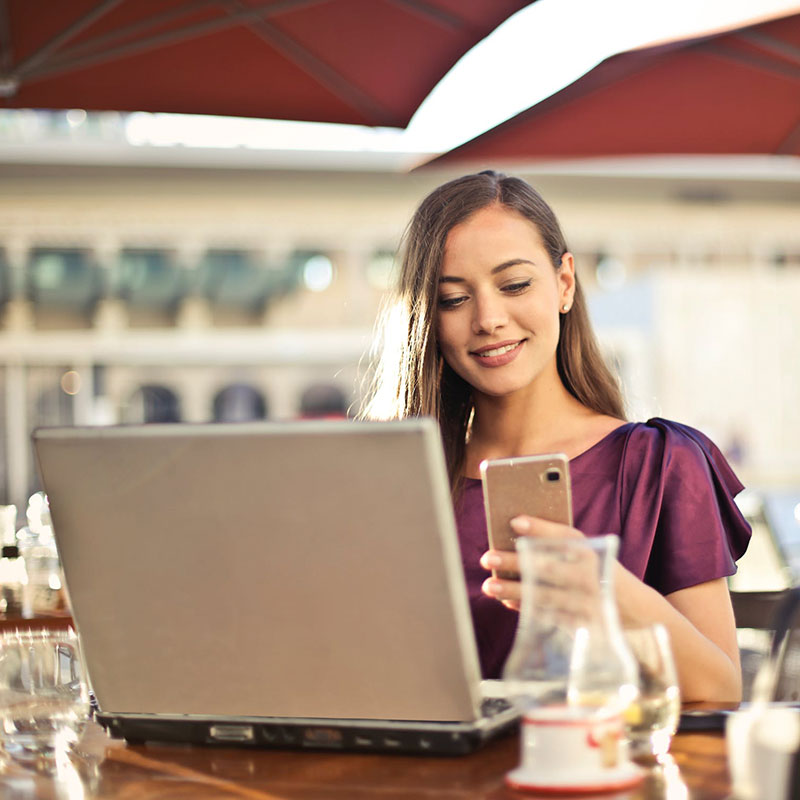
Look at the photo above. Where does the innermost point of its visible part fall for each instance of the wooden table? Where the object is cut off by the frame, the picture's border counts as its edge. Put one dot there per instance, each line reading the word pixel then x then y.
pixel 55 622
pixel 108 768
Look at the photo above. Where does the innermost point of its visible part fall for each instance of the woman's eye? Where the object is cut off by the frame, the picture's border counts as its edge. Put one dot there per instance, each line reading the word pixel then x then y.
pixel 516 288
pixel 451 302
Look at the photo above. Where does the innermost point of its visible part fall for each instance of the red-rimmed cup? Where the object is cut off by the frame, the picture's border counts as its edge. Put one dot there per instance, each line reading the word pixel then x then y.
pixel 568 749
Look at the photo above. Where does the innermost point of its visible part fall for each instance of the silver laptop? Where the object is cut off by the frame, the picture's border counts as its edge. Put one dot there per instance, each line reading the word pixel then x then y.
pixel 269 584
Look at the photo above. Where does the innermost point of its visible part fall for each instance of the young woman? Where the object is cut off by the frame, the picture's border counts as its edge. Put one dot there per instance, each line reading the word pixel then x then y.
pixel 490 335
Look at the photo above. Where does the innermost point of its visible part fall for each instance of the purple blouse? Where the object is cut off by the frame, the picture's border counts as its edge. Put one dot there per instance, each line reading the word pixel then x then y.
pixel 665 488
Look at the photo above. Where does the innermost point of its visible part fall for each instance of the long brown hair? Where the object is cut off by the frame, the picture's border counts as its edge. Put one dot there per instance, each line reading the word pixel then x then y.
pixel 411 378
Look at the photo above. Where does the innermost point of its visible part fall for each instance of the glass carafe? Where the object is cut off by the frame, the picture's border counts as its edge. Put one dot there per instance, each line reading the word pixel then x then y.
pixel 570 670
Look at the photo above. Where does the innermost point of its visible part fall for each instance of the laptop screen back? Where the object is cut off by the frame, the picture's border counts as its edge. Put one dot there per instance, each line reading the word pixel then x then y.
pixel 296 570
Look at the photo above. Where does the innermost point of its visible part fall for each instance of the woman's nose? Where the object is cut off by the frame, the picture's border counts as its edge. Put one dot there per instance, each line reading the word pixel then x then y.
pixel 489 315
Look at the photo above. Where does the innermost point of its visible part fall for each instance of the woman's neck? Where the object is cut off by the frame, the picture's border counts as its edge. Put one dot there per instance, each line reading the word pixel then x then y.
pixel 540 420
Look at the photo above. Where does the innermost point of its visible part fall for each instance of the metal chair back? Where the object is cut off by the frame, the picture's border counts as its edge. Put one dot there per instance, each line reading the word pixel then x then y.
pixel 778 674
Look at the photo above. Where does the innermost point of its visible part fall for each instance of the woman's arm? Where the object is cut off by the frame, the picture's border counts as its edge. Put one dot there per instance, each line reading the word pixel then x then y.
pixel 699 619
pixel 702 629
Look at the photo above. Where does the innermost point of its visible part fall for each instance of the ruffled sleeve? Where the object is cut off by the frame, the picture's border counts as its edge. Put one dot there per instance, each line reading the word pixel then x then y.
pixel 680 524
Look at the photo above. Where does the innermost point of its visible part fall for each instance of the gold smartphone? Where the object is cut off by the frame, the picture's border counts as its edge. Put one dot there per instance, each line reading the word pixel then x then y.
pixel 538 486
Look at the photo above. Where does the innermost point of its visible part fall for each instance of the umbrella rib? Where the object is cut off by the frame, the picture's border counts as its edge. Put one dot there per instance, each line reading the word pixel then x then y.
pixel 5 37
pixel 754 60
pixel 772 45
pixel 95 46
pixel 168 37
pixel 429 11
pixel 790 146
pixel 322 72
pixel 64 36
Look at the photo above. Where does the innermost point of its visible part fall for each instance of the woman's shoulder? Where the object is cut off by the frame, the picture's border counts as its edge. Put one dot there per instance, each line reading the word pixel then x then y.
pixel 660 433
pixel 667 446
pixel 655 437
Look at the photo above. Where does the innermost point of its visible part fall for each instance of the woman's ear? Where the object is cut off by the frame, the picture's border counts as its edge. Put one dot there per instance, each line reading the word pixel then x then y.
pixel 566 281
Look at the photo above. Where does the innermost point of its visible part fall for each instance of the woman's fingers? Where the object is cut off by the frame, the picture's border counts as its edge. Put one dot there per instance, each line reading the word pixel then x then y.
pixel 500 561
pixel 506 591
pixel 564 581
pixel 566 603
pixel 574 570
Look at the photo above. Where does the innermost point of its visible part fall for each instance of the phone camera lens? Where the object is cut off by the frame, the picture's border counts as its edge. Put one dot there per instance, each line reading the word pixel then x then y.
pixel 553 475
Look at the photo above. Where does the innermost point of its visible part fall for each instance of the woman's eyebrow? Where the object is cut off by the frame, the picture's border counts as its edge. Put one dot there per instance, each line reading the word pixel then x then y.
pixel 513 262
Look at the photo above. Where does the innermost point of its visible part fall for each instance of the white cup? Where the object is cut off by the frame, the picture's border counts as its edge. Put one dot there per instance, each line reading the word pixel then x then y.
pixel 573 749
pixel 762 743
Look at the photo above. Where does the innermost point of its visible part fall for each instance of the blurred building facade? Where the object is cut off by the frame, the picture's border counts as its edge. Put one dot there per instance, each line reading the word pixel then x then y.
pixel 145 291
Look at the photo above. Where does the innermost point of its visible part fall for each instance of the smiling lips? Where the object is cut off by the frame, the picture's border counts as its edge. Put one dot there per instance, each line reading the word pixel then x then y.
pixel 496 355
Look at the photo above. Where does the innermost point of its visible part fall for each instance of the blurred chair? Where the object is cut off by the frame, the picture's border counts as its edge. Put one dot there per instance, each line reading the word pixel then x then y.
pixel 239 402
pixel 323 401
pixel 153 403
pixel 756 609
pixel 776 612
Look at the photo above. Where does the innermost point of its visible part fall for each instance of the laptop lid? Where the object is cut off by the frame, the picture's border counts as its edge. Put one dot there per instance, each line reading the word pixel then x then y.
pixel 292 570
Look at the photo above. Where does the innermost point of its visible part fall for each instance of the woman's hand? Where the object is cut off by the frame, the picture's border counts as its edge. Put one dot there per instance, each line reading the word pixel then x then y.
pixel 699 618
pixel 507 591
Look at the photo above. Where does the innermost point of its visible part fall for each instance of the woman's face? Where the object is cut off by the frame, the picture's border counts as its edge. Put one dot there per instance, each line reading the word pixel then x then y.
pixel 499 302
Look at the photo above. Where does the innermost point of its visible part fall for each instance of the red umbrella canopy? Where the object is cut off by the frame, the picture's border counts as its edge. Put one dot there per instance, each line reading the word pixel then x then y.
pixel 731 93
pixel 368 62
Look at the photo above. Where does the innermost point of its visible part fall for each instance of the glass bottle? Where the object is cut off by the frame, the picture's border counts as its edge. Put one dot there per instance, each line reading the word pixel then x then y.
pixel 570 670
pixel 43 594
pixel 13 577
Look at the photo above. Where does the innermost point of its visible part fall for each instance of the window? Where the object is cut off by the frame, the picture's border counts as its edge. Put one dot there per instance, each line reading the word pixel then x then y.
pixel 381 270
pixel 149 278
pixel 232 279
pixel 5 279
pixel 63 278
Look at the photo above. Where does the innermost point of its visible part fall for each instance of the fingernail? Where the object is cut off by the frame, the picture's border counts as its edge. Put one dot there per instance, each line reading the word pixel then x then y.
pixel 492 587
pixel 491 560
pixel 520 525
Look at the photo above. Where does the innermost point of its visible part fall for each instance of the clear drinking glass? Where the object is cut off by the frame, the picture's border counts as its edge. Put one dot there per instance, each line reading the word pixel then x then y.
pixel 652 719
pixel 44 701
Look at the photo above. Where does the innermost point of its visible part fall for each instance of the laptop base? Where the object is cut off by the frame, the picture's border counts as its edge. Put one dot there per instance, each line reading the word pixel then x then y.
pixel 359 735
